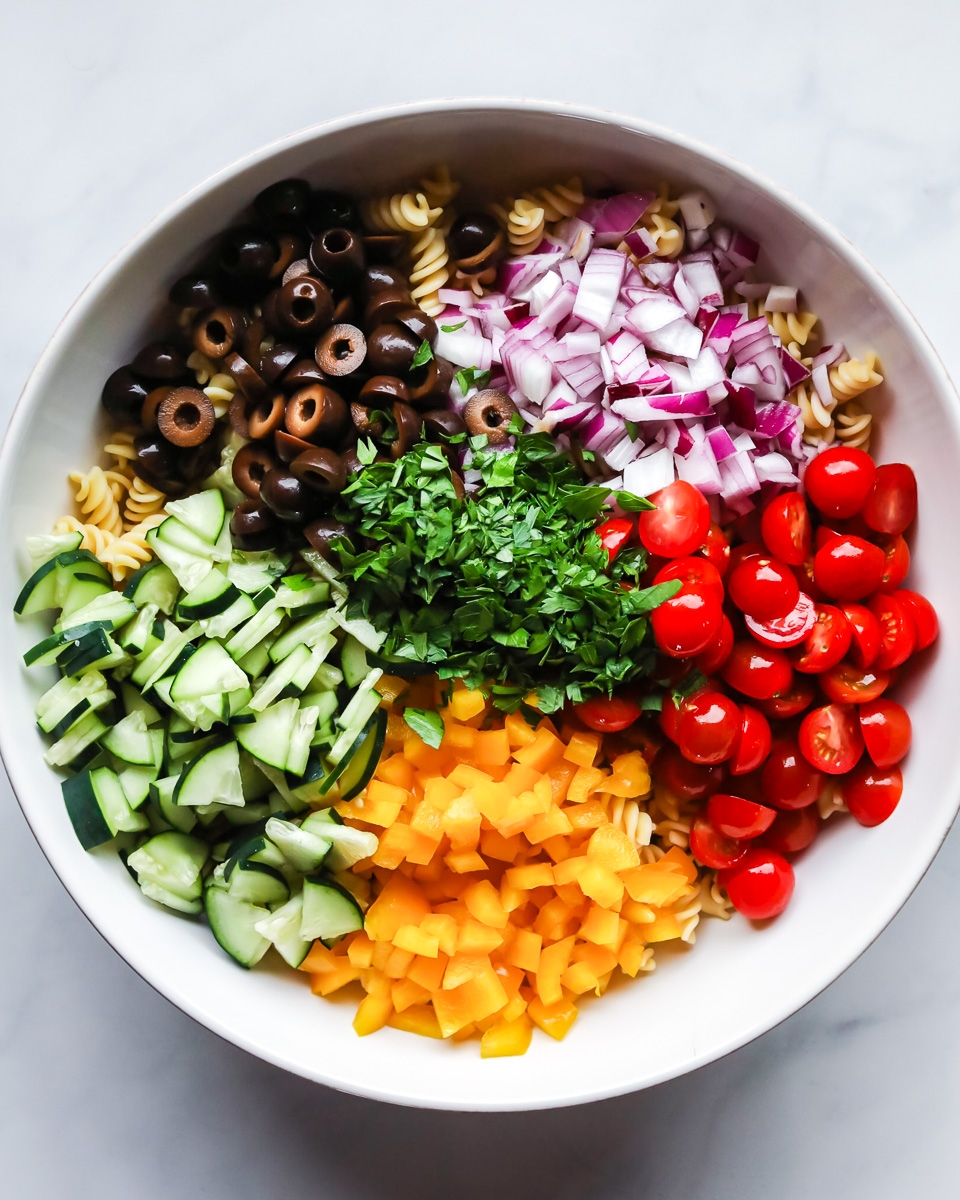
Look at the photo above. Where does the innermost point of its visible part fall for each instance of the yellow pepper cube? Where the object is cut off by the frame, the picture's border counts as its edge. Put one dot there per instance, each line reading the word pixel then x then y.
pixel 373 1014
pixel 507 1038
pixel 483 903
pixel 412 938
pixel 465 704
pixel 553 1019
pixel 582 749
pixel 419 1018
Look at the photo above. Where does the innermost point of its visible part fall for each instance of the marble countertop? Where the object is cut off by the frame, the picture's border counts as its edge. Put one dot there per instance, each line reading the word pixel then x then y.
pixel 105 1088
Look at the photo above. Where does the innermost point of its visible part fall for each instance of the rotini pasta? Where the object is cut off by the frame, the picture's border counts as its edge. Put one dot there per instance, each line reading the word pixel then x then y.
pixel 525 224
pixel 142 501
pixel 95 539
pixel 659 223
pixel 854 425
pixel 560 201
pixel 96 499
pixel 405 212
pixel 852 378
pixel 121 448
pixel 439 189
pixel 124 554
pixel 791 328
pixel 429 272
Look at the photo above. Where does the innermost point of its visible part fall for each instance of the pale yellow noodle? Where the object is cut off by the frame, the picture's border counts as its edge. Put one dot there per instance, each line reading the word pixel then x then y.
pixel 95 539
pixel 853 425
pixel 525 226
pixel 96 500
pixel 560 201
pixel 439 189
pixel 852 378
pixel 143 500
pixel 123 555
pixel 406 212
pixel 429 272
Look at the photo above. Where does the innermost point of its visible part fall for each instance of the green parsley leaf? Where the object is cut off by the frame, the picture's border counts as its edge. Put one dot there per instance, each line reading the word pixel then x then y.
pixel 631 503
pixel 452 328
pixel 472 377
pixel 422 356
pixel 633 430
pixel 686 687
pixel 429 725
pixel 366 451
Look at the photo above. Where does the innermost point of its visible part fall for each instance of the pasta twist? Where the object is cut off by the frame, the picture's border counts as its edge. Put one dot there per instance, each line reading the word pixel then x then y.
pixel 525 223
pixel 121 448
pixel 816 416
pixel 560 201
pixel 659 223
pixel 852 378
pixel 203 368
pixel 96 499
pixel 429 272
pixel 406 212
pixel 853 425
pixel 95 539
pixel 143 500
pixel 124 554
pixel 439 189
pixel 790 327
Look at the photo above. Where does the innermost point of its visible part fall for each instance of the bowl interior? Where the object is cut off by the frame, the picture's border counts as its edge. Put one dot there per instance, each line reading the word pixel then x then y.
pixel 739 980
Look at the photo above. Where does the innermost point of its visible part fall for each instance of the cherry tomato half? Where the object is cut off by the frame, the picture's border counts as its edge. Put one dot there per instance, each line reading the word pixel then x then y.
pixel 763 587
pixel 615 534
pixel 716 549
pixel 607 714
pixel 838 480
pixel 738 818
pixel 830 738
pixel 783 632
pixel 789 703
pixel 897 555
pixel 803 574
pixel 793 831
pixel 686 623
pixel 693 570
pixel 826 643
pixel 865 630
pixel 847 684
pixel 713 848
pixel 788 779
pixel 761 885
pixel 754 745
pixel 744 550
pixel 679 523
pixel 925 621
pixel 709 728
pixel 848 568
pixel 685 779
pixel 711 660
pixel 891 503
pixel 898 634
pixel 872 793
pixel 786 529
pixel 887 731
pixel 757 671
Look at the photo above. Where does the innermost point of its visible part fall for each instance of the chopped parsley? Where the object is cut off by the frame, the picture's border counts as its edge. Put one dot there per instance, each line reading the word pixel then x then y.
pixel 423 355
pixel 508 587
pixel 472 377
pixel 428 724
pixel 452 328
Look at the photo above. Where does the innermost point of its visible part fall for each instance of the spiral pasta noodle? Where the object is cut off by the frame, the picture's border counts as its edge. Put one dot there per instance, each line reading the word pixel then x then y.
pixel 560 201
pixel 439 189
pixel 96 500
pixel 659 223
pixel 791 327
pixel 525 222
pixel 143 500
pixel 852 378
pixel 124 554
pixel 429 273
pixel 95 539
pixel 405 212
pixel 853 425
pixel 120 447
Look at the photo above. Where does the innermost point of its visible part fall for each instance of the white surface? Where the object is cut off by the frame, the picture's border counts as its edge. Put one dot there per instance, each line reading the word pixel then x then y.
pixel 111 127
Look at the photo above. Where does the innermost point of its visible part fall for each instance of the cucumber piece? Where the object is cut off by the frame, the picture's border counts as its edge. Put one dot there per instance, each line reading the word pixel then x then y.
pixel 324 702
pixel 255 630
pixel 211 778
pixel 363 704
pixel 136 634
pixel 45 546
pixel 211 597
pixel 66 702
pixel 302 591
pixel 78 737
pixel 131 741
pixel 255 661
pixel 111 610
pixel 135 781
pixel 209 671
pixel 96 649
pixel 154 664
pixel 362 630
pixel 303 850
pixel 97 807
pixel 282 928
pixel 268 737
pixel 308 631
pixel 133 701
pixel 327 679
pixel 242 609
pixel 153 583
pixel 203 513
pixel 48 651
pixel 169 870
pixel 188 569
pixel 161 794
pixel 281 678
pixel 254 783
pixel 304 727
pixel 329 911
pixel 254 571
pixel 46 586
pixel 233 923
pixel 349 845
pixel 359 770
pixel 257 883
pixel 353 662
pixel 79 581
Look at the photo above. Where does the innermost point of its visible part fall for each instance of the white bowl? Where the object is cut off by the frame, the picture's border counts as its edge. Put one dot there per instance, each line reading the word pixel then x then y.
pixel 738 981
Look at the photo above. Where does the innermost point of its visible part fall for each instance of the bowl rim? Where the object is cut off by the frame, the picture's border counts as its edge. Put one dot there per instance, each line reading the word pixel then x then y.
pixel 77 313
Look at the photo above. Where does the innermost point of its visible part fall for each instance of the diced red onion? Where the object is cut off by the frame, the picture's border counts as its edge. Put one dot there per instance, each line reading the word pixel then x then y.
pixel 697 209
pixel 777 418
pixel 794 372
pixel 612 218
pixel 640 243
pixel 578 235
pixel 582 373
pixel 599 287
pixel 650 472
pixel 543 291
pixel 721 443
pixel 774 468
pixel 781 299
pixel 699 467
pixel 821 384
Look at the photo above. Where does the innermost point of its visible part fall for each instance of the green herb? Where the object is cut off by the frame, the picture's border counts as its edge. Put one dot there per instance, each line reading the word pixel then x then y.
pixel 508 587
pixel 423 355
pixel 631 503
pixel 687 686
pixel 633 430
pixel 472 377
pixel 427 724
pixel 452 328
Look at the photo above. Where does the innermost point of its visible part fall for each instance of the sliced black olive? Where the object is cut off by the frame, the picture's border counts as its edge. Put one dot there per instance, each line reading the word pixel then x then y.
pixel 194 291
pixel 287 497
pixel 341 350
pixel 156 461
pixel 322 533
pixel 283 205
pixel 161 361
pixel 408 423
pixel 391 349
pixel 123 396
pixel 490 412
pixel 327 210
pixel 250 464
pixel 320 468
pixel 315 413
pixel 185 416
pixel 254 527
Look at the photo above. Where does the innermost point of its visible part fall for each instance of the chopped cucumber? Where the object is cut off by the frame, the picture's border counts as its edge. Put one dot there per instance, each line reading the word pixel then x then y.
pixel 207 672
pixel 203 513
pixel 66 702
pixel 188 569
pixel 303 850
pixel 212 596
pixel 353 662
pixel 78 737
pixel 132 741
pixel 169 870
pixel 153 583
pixel 329 911
pixel 268 737
pixel 97 807
pixel 110 608
pixel 211 778
pixel 252 572
pixel 282 928
pixel 233 923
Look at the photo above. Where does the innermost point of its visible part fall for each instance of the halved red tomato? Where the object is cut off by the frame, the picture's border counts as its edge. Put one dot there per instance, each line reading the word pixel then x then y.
pixel 898 634
pixel 711 660
pixel 757 671
pixel 791 702
pixel 830 738
pixel 678 524
pixel 685 779
pixel 825 644
pixel 886 731
pixel 755 739
pixel 786 529
pixel 787 631
pixel 891 503
pixel 793 831
pixel 735 817
pixel 872 793
pixel 708 728
pixel 847 684
pixel 693 570
pixel 865 628
pixel 897 554
pixel 714 849
pixel 716 549
pixel 789 780
pixel 608 714
pixel 924 615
